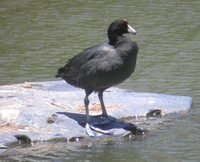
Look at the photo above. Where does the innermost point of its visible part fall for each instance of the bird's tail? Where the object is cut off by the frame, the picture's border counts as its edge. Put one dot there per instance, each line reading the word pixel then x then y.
pixel 69 75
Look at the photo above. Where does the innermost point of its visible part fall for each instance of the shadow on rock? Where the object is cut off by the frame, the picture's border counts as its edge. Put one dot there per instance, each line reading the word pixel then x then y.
pixel 113 127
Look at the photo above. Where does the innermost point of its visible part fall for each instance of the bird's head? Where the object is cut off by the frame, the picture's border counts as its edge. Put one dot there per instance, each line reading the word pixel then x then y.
pixel 120 27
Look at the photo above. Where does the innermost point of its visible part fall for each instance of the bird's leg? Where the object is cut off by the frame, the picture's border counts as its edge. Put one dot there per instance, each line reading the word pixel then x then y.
pixel 87 126
pixel 106 118
pixel 104 112
pixel 86 102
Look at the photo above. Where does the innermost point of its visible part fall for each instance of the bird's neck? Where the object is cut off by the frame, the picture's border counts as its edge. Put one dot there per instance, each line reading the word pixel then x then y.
pixel 114 39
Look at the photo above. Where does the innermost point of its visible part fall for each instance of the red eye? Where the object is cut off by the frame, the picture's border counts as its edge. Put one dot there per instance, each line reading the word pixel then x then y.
pixel 125 21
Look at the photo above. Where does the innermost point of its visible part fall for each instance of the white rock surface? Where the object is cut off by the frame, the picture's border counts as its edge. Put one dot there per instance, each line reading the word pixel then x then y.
pixel 54 109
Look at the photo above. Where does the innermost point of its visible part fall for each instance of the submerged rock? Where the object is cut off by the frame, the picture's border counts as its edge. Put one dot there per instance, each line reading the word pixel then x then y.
pixel 54 110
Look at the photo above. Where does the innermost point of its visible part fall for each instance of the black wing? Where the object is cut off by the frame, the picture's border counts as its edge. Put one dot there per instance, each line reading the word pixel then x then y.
pixel 88 64
pixel 75 63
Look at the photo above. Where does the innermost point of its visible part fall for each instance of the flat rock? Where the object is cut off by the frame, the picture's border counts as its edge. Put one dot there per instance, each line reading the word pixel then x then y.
pixel 40 111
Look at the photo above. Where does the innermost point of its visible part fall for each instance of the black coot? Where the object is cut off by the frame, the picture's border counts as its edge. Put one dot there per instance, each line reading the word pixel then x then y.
pixel 102 66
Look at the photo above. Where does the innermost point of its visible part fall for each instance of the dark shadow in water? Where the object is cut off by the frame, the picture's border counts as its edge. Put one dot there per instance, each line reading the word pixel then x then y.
pixel 96 121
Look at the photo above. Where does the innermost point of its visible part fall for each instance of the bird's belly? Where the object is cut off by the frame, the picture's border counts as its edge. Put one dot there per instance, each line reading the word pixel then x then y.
pixel 107 80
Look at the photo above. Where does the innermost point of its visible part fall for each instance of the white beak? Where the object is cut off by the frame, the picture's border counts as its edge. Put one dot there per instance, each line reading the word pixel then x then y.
pixel 131 30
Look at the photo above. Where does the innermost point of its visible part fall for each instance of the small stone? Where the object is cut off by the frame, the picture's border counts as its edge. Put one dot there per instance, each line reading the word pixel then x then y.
pixel 154 113
pixel 22 138
pixel 2 146
pixel 52 119
pixel 75 139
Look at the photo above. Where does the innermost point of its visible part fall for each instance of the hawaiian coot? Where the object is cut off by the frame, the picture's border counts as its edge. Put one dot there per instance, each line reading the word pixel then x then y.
pixel 102 66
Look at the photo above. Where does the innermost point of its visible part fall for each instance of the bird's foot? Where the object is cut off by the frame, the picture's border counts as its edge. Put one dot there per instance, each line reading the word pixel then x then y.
pixel 88 130
pixel 103 120
pixel 93 131
pixel 94 127
pixel 106 132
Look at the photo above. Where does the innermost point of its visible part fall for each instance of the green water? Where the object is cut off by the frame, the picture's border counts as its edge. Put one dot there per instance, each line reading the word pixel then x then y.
pixel 37 37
